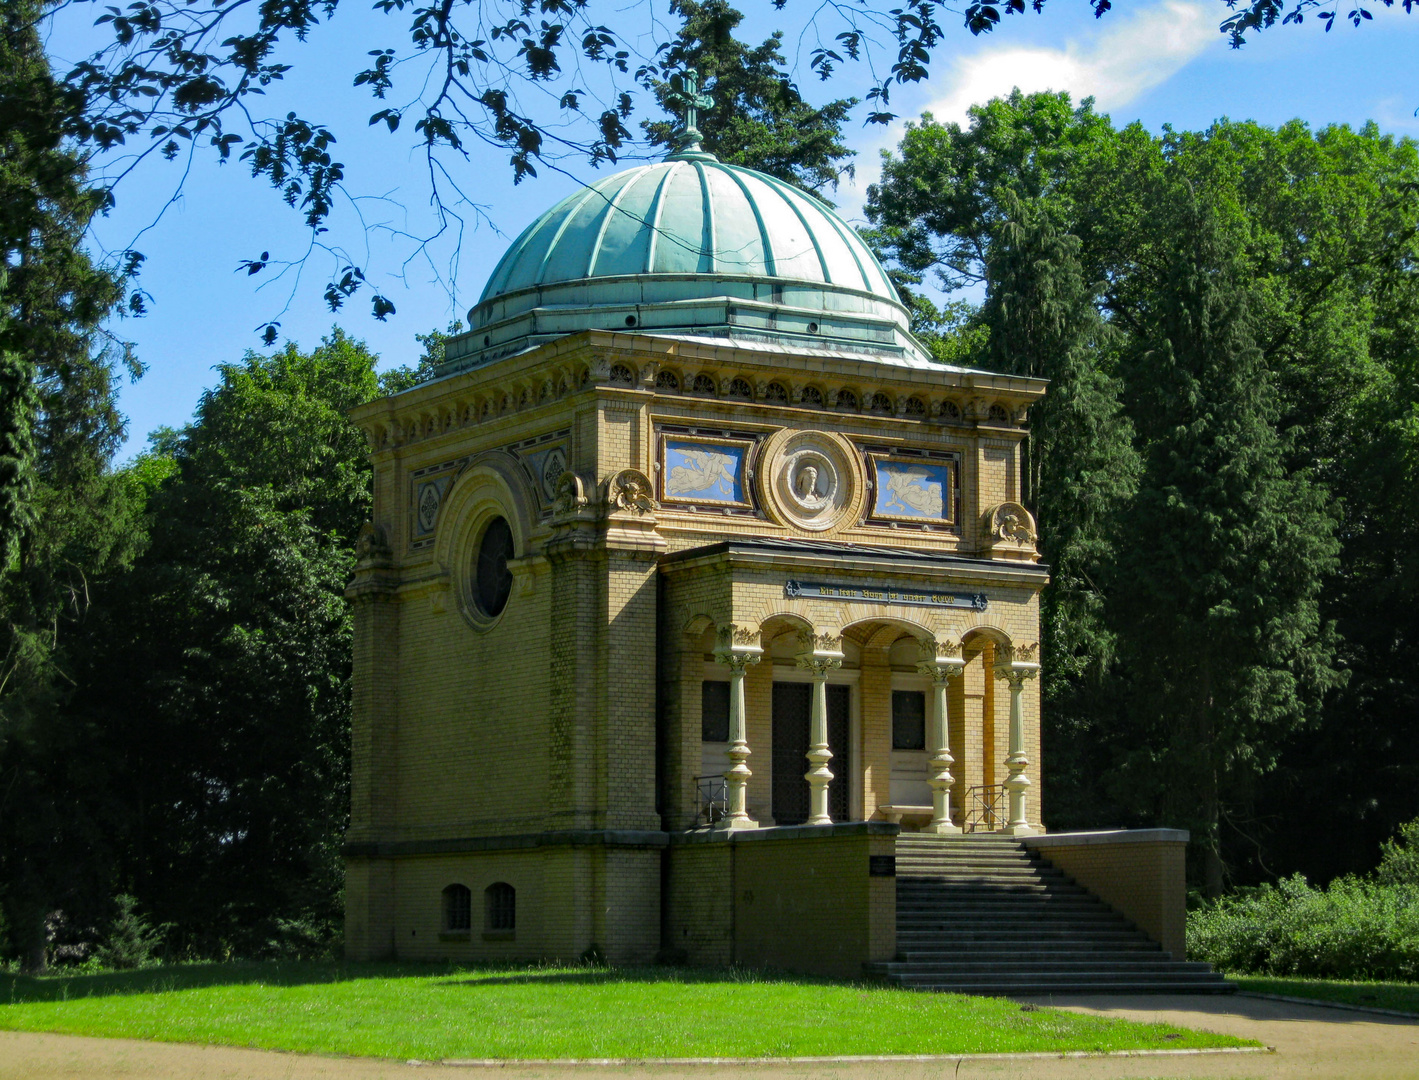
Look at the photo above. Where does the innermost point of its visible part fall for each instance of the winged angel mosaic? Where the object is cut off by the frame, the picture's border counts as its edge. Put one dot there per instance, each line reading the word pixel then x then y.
pixel 705 472
pixel 912 490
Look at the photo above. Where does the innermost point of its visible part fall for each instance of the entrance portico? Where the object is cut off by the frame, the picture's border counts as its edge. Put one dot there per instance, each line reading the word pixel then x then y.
pixel 909 677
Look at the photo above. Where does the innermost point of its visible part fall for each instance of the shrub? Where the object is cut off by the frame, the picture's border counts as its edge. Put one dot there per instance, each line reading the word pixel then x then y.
pixel 131 940
pixel 1355 929
pixel 1399 857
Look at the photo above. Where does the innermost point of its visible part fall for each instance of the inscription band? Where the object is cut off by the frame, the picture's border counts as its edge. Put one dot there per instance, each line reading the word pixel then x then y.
pixel 829 591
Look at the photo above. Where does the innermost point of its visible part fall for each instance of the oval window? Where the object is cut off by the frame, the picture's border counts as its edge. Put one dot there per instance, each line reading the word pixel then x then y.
pixel 493 579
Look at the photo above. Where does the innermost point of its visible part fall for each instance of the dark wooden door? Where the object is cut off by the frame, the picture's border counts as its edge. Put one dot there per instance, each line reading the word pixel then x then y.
pixel 791 725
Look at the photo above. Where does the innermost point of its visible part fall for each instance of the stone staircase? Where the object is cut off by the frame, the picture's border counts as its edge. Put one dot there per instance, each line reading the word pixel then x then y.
pixel 984 915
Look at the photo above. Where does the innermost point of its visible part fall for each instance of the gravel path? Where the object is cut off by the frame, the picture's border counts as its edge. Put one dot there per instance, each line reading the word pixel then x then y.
pixel 1310 1042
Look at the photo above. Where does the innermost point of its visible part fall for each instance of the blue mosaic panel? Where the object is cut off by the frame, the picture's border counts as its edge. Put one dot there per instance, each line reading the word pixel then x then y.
pixel 703 472
pixel 913 489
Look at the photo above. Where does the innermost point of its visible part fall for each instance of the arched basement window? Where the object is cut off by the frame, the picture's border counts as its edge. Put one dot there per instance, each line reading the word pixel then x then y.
pixel 457 909
pixel 499 908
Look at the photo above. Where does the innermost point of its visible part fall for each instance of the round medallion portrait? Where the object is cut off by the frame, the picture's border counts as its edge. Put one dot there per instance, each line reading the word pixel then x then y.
pixel 810 480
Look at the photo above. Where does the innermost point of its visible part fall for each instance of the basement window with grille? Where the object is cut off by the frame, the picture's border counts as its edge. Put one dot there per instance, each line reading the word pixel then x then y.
pixel 457 913
pixel 499 912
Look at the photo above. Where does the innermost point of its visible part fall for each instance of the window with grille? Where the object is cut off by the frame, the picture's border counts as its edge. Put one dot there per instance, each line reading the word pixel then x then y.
pixel 740 388
pixel 714 711
pixel 847 399
pixel 812 396
pixel 703 384
pixel 775 392
pixel 499 907
pixel 457 908
pixel 908 720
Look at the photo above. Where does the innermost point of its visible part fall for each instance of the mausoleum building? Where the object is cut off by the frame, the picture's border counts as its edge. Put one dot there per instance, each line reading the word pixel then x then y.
pixel 693 588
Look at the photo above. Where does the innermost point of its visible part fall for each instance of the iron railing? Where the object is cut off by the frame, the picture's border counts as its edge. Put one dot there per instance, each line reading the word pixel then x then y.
pixel 712 798
pixel 985 808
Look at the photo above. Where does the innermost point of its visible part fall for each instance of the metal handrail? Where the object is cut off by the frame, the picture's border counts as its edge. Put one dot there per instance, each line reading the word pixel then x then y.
pixel 985 808
pixel 712 797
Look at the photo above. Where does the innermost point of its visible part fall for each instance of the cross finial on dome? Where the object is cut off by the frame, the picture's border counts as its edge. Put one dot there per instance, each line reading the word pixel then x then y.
pixel 685 98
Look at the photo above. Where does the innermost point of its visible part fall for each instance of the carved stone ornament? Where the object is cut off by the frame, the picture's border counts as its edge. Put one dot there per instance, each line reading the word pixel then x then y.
pixel 372 545
pixel 933 652
pixel 731 638
pixel 821 643
pixel 1012 523
pixel 1009 656
pixel 630 491
pixel 811 480
pixel 571 494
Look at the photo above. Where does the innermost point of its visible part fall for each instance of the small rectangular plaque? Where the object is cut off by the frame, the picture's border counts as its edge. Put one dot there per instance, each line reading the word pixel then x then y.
pixel 815 590
pixel 881 866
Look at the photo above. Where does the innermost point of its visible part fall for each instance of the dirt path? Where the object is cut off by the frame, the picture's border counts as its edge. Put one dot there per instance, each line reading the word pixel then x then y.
pixel 1310 1041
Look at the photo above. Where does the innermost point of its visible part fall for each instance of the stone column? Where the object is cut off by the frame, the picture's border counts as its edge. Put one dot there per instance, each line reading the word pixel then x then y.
pixel 737 648
pixel 941 669
pixel 1015 664
pixel 823 654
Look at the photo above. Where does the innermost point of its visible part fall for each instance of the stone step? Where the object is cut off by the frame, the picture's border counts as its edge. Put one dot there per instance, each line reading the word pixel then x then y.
pixel 1102 962
pixel 1031 951
pixel 1004 889
pixel 1087 986
pixel 1028 906
pixel 1101 977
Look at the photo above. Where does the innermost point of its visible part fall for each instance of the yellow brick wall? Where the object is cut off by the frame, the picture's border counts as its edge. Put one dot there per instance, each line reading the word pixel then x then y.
pixel 1143 880
pixel 568 899
pixel 875 710
pixel 809 905
pixel 699 914
pixel 799 903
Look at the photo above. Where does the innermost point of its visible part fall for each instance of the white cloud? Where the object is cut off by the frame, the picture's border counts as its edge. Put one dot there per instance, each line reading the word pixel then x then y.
pixel 1131 56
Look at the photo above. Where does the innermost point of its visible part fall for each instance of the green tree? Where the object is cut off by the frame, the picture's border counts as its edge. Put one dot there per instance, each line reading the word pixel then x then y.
pixel 1080 467
pixel 759 119
pixel 218 669
pixel 65 519
pixel 1217 597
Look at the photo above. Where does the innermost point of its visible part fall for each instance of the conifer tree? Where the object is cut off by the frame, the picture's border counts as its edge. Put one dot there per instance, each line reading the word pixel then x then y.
pixel 1217 582
pixel 1080 468
pixel 759 119
pixel 65 518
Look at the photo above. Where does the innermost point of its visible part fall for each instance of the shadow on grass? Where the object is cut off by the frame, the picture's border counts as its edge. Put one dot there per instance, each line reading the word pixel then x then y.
pixel 17 989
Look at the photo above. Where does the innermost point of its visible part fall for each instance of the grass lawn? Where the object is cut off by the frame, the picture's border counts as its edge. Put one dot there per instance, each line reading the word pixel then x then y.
pixel 435 1012
pixel 1379 995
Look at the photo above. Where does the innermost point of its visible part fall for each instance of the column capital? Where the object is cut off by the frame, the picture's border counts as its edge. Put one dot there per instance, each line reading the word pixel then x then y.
pixel 820 653
pixel 819 664
pixel 1016 663
pixel 941 669
pixel 736 646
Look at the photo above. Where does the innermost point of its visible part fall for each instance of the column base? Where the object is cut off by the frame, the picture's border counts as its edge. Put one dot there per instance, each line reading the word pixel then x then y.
pixel 734 824
pixel 1020 830
pixel 944 828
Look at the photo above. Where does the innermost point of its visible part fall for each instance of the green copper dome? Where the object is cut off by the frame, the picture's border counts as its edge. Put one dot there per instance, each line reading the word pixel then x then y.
pixel 690 246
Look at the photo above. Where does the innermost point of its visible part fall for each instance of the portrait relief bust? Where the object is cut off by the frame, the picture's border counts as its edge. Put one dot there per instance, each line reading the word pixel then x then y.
pixel 809 480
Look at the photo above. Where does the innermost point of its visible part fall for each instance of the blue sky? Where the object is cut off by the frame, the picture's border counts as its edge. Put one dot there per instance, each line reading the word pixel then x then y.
pixel 1156 61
